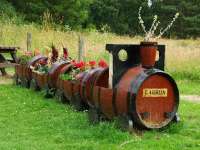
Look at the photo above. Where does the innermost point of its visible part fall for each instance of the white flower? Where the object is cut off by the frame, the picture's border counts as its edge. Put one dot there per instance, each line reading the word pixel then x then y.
pixel 150 3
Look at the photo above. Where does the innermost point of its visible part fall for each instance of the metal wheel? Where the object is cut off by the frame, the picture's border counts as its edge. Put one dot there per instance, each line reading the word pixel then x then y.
pixel 94 116
pixel 59 95
pixel 77 103
pixel 49 92
pixel 125 123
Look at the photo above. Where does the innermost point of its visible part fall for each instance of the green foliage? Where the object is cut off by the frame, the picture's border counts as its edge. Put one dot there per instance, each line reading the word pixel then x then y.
pixel 71 75
pixel 71 12
pixel 43 69
pixel 8 14
pixel 67 76
pixel 118 16
pixel 24 59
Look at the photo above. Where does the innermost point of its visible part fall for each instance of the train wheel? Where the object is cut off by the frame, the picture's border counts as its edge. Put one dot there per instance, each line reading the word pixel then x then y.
pixel 125 123
pixel 49 92
pixel 177 118
pixel 60 97
pixel 77 103
pixel 94 116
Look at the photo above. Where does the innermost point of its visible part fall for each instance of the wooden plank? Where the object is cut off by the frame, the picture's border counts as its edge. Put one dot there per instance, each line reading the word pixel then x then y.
pixel 81 50
pixel 29 41
pixel 7 65
pixel 4 49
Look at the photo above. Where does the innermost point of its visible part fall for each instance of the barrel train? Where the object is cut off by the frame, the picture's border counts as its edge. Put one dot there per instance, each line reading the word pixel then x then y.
pixel 138 96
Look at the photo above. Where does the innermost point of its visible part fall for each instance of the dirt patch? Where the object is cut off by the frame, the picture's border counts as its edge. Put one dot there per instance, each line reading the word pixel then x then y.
pixel 6 79
pixel 192 98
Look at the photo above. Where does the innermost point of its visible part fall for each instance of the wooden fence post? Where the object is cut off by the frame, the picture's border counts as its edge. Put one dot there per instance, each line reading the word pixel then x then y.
pixel 29 41
pixel 81 50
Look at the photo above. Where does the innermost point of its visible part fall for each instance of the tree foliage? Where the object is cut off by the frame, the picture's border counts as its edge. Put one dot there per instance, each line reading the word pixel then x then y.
pixel 119 16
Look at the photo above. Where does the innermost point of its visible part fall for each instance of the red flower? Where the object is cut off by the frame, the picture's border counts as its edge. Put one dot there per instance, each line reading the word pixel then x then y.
pixel 103 64
pixel 80 64
pixel 92 63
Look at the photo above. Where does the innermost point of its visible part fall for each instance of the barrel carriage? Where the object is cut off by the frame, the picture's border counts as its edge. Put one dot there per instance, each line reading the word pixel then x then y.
pixel 144 96
pixel 23 73
pixel 133 93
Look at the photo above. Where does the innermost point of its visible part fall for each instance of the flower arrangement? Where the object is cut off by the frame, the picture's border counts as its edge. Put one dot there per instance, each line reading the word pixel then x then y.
pixel 149 46
pixel 78 67
pixel 41 67
pixel 150 34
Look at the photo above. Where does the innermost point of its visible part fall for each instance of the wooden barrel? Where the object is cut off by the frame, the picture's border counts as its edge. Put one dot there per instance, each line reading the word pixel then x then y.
pixel 54 73
pixel 41 80
pixel 32 62
pixel 76 100
pixel 19 71
pixel 60 82
pixel 100 80
pixel 35 59
pixel 86 85
pixel 149 97
pixel 72 87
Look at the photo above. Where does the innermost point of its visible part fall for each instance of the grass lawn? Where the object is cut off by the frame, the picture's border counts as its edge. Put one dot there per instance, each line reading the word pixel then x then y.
pixel 28 121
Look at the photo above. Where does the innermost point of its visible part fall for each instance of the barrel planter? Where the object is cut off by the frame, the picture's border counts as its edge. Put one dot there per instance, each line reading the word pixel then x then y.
pixel 18 74
pixel 24 72
pixel 32 62
pixel 68 89
pixel 86 85
pixel 60 85
pixel 76 101
pixel 39 81
pixel 100 80
pixel 148 54
pixel 64 70
pixel 149 97
pixel 54 73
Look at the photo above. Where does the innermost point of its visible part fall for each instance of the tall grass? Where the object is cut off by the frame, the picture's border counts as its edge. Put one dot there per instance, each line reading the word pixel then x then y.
pixel 182 56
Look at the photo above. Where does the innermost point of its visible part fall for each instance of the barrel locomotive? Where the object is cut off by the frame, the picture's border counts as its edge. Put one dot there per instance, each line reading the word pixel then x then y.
pixel 131 90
